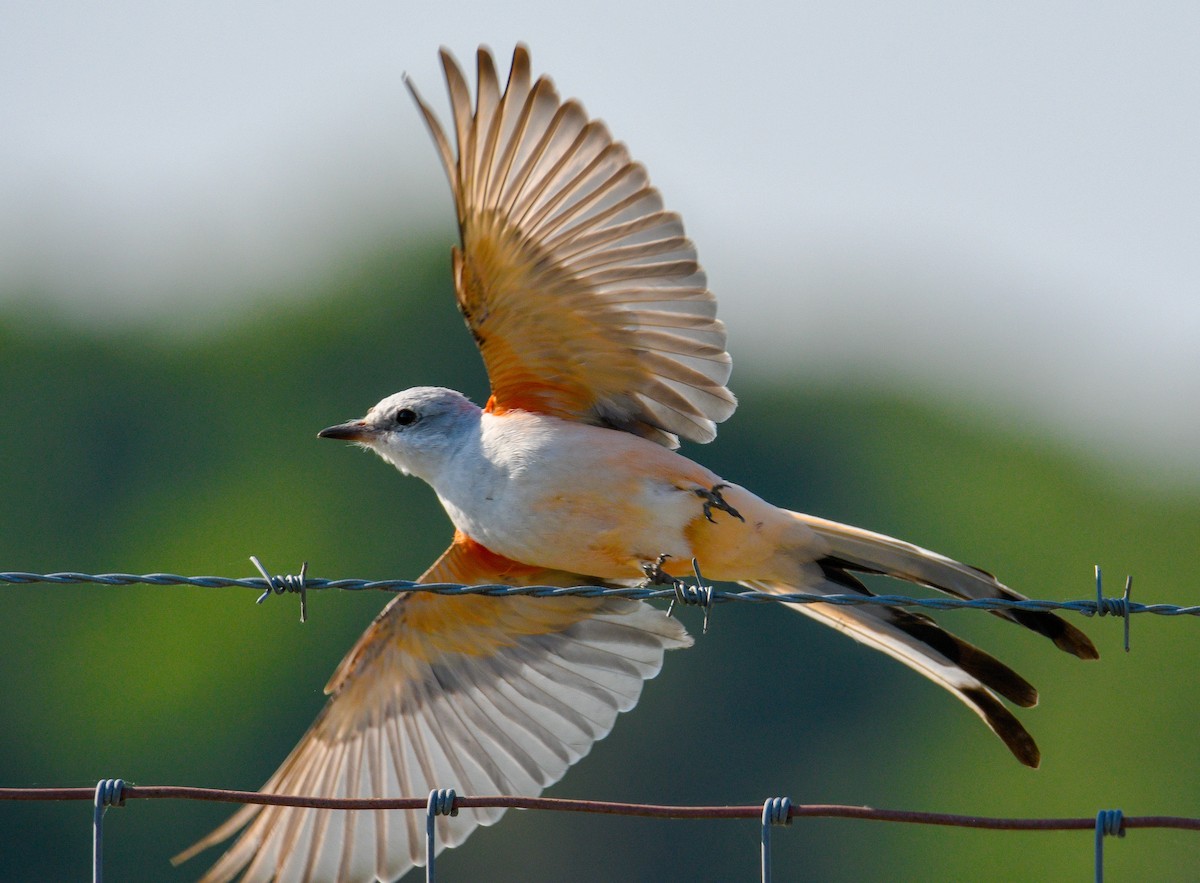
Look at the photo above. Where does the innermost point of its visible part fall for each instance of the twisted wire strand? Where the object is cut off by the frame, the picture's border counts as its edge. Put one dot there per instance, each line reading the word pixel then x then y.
pixel 1089 607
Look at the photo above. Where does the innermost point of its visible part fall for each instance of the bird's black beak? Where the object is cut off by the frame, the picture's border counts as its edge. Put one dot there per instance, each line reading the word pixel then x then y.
pixel 354 431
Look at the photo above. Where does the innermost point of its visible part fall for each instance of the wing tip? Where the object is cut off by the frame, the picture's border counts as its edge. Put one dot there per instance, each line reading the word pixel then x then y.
pixel 671 413
pixel 220 834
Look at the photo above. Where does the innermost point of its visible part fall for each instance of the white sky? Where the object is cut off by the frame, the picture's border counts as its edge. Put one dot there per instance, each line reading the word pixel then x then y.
pixel 1003 199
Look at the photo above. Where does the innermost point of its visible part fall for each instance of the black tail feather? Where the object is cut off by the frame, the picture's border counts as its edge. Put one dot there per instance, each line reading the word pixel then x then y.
pixel 984 667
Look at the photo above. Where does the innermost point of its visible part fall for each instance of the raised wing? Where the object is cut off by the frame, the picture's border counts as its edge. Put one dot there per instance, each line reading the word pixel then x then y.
pixel 483 695
pixel 584 296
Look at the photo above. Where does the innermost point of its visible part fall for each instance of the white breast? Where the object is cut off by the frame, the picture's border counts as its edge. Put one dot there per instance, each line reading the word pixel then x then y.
pixel 492 487
pixel 567 496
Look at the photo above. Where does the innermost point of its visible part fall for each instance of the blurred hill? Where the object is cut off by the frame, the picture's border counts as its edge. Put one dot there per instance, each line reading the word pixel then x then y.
pixel 138 449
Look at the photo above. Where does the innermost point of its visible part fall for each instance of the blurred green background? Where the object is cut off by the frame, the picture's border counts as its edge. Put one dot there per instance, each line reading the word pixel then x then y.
pixel 138 449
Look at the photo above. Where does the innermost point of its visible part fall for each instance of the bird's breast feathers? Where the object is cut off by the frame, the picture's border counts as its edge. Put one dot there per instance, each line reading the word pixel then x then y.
pixel 565 495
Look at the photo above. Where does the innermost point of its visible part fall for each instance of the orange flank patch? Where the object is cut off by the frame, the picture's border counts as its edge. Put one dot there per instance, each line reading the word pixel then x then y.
pixel 734 550
pixel 549 345
pixel 425 627
pixel 478 625
pixel 471 563
pixel 526 369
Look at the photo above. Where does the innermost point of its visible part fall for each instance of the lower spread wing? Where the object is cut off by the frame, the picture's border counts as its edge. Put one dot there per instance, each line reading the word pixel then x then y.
pixel 584 296
pixel 484 695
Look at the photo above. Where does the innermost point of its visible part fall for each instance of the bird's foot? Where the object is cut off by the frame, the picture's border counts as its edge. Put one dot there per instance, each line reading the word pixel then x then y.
pixel 654 573
pixel 713 500
pixel 656 576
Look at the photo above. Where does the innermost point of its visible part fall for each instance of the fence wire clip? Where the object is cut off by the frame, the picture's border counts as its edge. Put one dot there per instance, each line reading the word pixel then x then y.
pixel 1109 823
pixel 441 803
pixel 109 792
pixel 776 811
pixel 287 583
pixel 1114 606
pixel 699 595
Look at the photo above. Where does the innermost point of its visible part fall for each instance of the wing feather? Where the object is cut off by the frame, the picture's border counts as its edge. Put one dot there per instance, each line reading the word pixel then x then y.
pixel 567 257
pixel 485 695
pixel 584 236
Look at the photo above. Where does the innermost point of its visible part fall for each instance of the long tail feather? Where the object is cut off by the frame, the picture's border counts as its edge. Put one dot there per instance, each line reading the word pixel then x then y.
pixel 869 552
pixel 918 642
pixel 825 560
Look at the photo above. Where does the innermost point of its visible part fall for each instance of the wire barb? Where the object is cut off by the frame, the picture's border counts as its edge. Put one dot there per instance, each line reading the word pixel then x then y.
pixel 699 595
pixel 1114 606
pixel 109 792
pixel 441 803
pixel 286 583
pixel 1109 823
pixel 776 811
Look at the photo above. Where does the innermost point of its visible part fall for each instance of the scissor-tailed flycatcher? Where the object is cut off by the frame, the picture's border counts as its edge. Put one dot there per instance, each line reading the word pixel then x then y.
pixel 603 349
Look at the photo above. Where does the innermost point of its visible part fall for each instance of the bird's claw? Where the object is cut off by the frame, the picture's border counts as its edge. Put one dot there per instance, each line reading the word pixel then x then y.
pixel 655 575
pixel 713 500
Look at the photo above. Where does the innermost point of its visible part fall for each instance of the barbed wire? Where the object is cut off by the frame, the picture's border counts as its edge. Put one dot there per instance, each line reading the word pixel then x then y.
pixel 773 812
pixel 1102 605
pixel 679 592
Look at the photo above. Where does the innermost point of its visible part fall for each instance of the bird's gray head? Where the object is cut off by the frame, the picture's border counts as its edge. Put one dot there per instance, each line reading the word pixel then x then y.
pixel 415 430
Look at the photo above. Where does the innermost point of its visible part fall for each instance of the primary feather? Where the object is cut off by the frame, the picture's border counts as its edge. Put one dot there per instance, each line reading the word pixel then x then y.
pixel 584 295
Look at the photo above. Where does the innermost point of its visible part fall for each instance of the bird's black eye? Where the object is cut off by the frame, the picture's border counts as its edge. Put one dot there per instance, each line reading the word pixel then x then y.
pixel 406 417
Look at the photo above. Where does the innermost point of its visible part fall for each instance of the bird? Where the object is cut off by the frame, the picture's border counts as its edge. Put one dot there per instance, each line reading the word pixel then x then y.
pixel 603 351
